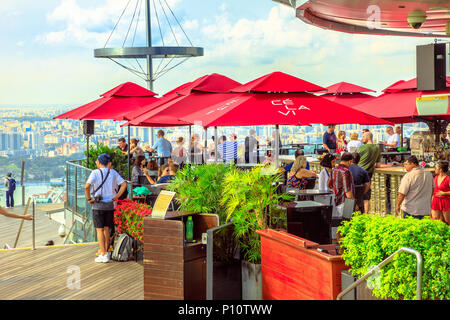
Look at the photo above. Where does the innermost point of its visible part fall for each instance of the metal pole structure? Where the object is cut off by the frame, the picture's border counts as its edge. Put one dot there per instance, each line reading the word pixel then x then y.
pixel 189 147
pixel 276 148
pixel 34 224
pixel 128 153
pixel 215 144
pixel 21 182
pixel 401 138
pixel 205 152
pixel 148 18
pixel 87 151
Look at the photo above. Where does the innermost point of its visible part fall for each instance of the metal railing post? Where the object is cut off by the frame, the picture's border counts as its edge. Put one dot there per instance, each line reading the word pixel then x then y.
pixel 34 224
pixel 384 263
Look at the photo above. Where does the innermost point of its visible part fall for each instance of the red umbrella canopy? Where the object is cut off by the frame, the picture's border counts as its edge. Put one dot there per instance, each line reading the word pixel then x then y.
pixel 128 89
pixel 170 113
pixel 345 87
pixel 407 85
pixel 278 82
pixel 278 109
pixel 198 94
pixel 401 106
pixel 114 104
pixel 349 100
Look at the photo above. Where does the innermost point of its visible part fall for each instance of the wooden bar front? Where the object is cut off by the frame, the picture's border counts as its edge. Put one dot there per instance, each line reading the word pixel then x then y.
pixel 173 268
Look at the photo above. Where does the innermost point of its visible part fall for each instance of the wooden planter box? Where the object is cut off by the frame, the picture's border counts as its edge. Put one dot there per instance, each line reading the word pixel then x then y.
pixel 293 268
pixel 174 269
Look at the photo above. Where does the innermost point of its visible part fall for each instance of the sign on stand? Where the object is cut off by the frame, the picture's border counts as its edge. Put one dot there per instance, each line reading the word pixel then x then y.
pixel 162 204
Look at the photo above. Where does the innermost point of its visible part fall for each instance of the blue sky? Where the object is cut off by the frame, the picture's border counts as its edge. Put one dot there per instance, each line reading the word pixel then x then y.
pixel 47 48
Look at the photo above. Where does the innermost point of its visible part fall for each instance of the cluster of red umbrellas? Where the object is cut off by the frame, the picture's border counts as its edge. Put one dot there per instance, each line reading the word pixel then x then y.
pixel 215 100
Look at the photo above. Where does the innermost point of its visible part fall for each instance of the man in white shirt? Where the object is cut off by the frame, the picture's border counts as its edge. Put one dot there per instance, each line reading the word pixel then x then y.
pixel 104 182
pixel 393 140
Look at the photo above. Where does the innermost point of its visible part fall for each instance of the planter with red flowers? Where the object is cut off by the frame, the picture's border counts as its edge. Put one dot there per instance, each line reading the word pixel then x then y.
pixel 129 218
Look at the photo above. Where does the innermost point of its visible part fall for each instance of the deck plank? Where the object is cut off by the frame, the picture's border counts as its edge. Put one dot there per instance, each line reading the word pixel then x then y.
pixel 43 274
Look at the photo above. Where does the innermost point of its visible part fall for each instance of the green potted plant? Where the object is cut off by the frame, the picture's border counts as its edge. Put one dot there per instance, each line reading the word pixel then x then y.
pixel 119 160
pixel 250 198
pixel 369 239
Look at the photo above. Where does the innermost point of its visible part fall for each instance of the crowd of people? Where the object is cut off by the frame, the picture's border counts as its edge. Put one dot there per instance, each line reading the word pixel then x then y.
pixel 419 193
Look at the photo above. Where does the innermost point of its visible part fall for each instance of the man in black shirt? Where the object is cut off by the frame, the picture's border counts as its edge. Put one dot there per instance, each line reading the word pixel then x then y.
pixel 329 139
pixel 123 146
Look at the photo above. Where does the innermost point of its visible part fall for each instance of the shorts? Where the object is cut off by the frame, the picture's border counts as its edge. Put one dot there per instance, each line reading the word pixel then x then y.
pixel 103 218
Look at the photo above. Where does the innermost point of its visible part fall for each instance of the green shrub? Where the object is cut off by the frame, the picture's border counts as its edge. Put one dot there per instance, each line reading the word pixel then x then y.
pixel 199 188
pixel 250 198
pixel 119 160
pixel 369 239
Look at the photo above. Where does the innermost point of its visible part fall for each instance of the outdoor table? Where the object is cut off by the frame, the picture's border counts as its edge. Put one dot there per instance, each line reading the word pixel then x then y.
pixel 308 193
pixel 310 220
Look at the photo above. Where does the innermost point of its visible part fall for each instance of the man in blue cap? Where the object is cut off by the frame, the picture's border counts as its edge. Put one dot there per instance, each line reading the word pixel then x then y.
pixel 104 182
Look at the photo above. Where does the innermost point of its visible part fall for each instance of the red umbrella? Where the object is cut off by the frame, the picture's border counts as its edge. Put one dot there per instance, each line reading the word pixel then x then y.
pixel 345 87
pixel 170 113
pixel 190 97
pixel 347 94
pixel 278 109
pixel 278 82
pixel 113 104
pixel 401 106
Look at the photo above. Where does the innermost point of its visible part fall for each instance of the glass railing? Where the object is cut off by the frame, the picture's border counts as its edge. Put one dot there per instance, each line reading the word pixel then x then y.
pixel 82 229
pixel 77 206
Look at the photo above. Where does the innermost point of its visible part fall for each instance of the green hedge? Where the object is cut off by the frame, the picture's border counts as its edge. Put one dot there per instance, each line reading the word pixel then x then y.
pixel 369 239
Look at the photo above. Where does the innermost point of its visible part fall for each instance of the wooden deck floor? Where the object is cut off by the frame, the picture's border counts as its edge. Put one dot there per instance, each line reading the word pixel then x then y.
pixel 46 229
pixel 43 274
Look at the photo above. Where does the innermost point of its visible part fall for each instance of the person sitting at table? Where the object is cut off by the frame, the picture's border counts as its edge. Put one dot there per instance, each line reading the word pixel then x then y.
pixel 168 173
pixel 298 175
pixel 440 204
pixel 328 162
pixel 354 143
pixel 288 167
pixel 140 170
pixel 341 144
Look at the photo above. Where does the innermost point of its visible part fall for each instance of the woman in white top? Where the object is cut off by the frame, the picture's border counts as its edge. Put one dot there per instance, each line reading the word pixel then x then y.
pixel 328 163
pixel 354 143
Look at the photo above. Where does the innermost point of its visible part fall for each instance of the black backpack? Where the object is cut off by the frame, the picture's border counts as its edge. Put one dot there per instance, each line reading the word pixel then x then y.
pixel 12 184
pixel 124 248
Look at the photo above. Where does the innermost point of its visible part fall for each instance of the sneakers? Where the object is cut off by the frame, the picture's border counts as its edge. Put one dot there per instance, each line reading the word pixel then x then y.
pixel 111 249
pixel 103 258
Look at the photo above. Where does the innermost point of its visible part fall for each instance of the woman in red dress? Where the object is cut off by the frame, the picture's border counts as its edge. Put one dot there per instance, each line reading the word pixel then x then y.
pixel 440 205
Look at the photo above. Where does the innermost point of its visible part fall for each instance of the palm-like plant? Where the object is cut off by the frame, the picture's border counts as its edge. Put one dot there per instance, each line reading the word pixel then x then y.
pixel 250 198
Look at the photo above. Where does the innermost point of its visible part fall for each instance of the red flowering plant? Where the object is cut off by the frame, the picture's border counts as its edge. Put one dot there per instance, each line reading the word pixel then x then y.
pixel 129 218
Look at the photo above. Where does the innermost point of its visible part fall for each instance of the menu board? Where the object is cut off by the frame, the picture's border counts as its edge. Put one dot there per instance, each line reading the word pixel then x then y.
pixel 162 204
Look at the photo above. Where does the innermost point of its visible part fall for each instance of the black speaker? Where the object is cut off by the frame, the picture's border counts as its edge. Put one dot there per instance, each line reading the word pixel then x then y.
pixel 431 67
pixel 88 127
